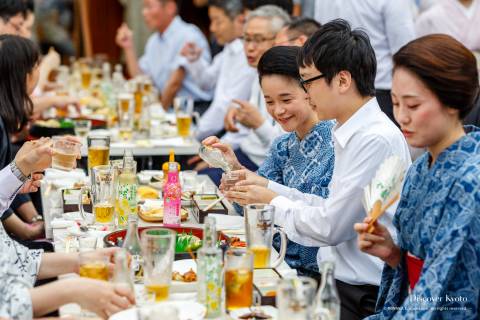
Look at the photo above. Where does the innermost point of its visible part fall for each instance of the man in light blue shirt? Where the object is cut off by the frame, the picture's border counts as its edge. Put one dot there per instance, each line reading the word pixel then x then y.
pixel 161 58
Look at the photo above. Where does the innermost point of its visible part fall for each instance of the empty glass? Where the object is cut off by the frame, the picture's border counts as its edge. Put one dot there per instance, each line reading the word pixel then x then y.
pixel 82 127
pixel 295 298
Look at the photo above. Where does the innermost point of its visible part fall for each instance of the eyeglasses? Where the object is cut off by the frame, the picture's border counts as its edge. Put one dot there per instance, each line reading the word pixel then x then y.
pixel 306 83
pixel 256 40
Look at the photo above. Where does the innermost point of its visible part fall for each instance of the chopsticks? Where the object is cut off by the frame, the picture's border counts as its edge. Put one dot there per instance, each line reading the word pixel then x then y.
pixel 211 205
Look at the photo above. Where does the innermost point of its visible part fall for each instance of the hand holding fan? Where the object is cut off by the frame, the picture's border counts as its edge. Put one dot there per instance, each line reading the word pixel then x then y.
pixel 384 189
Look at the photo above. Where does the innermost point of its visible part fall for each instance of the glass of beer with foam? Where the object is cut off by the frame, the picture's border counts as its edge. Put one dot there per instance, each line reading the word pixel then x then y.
pixel 98 151
pixel 184 113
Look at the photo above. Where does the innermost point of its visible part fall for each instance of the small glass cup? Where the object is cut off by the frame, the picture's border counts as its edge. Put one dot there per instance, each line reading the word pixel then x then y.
pixel 189 180
pixel 229 179
pixel 239 279
pixel 82 127
pixel 295 298
pixel 126 115
pixel 65 153
pixel 158 250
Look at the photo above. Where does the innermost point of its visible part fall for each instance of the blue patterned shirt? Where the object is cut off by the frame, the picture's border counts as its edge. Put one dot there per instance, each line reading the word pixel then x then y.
pixel 438 221
pixel 306 165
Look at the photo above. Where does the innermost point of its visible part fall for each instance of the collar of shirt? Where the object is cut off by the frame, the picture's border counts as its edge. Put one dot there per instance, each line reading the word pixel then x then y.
pixel 361 118
pixel 234 47
pixel 170 31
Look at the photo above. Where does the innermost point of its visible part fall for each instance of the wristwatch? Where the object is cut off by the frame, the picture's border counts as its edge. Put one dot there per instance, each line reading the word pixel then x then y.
pixel 36 218
pixel 17 173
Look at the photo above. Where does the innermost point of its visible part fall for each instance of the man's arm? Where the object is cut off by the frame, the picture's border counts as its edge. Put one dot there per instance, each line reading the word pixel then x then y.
pixel 174 84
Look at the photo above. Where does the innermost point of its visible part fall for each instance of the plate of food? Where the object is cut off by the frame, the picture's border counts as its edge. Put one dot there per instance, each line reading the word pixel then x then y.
pixel 179 310
pixel 184 276
pixel 145 193
pixel 152 211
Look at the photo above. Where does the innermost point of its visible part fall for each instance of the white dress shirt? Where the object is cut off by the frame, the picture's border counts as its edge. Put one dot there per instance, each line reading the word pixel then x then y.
pixel 9 187
pixel 162 57
pixel 255 143
pixel 231 76
pixel 388 23
pixel 361 145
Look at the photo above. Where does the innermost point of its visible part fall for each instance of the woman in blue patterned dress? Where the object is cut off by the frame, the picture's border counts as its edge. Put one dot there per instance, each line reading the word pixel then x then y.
pixel 433 270
pixel 303 158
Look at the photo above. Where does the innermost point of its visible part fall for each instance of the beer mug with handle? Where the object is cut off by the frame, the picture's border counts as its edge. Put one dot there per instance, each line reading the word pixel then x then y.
pixel 259 226
pixel 102 193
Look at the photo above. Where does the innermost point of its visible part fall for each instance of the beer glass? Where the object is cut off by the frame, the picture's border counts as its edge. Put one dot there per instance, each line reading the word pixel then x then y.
pixel 86 75
pixel 295 298
pixel 184 113
pixel 158 250
pixel 102 193
pixel 239 279
pixel 98 151
pixel 125 115
pixel 91 265
pixel 259 227
pixel 65 153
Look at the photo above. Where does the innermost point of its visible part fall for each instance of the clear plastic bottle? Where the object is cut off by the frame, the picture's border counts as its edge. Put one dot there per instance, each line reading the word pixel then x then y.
pixel 210 271
pixel 172 197
pixel 327 304
pixel 132 245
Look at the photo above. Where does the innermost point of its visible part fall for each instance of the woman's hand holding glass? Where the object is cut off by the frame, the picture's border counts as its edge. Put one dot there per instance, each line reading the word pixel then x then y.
pixel 379 243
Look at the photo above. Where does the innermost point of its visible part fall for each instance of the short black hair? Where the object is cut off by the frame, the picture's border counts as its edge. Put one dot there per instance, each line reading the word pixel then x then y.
pixel 29 6
pixel 335 48
pixel 280 60
pixel 18 58
pixel 303 26
pixel 286 5
pixel 232 8
pixel 10 8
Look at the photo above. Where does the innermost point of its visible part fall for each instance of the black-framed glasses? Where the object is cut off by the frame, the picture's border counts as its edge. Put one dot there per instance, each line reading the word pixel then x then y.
pixel 306 83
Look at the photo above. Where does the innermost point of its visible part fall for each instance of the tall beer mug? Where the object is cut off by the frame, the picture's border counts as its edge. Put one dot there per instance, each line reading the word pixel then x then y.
pixel 259 226
pixel 102 193
pixel 184 113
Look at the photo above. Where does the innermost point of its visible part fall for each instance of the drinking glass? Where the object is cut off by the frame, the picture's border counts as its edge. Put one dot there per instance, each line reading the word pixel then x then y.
pixel 65 153
pixel 189 180
pixel 86 74
pixel 82 127
pixel 259 226
pixel 239 279
pixel 295 298
pixel 125 115
pixel 98 151
pixel 102 194
pixel 91 265
pixel 229 179
pixel 158 250
pixel 184 113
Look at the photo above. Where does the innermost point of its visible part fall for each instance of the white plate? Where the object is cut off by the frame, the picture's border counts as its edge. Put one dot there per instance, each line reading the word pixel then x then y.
pixel 187 311
pixel 183 266
pixel 269 310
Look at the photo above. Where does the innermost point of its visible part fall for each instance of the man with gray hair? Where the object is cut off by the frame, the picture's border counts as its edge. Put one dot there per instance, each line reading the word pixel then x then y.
pixel 249 125
pixel 229 75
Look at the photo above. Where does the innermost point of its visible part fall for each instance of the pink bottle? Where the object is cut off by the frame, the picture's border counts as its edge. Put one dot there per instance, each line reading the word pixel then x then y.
pixel 172 197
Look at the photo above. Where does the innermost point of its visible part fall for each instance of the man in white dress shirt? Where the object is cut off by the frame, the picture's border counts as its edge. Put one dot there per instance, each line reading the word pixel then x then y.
pixel 338 67
pixel 251 128
pixel 160 59
pixel 388 23
pixel 229 75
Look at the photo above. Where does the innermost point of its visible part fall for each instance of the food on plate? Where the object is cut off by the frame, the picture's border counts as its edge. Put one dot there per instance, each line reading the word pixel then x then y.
pixel 236 242
pixel 145 192
pixel 187 242
pixel 189 276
